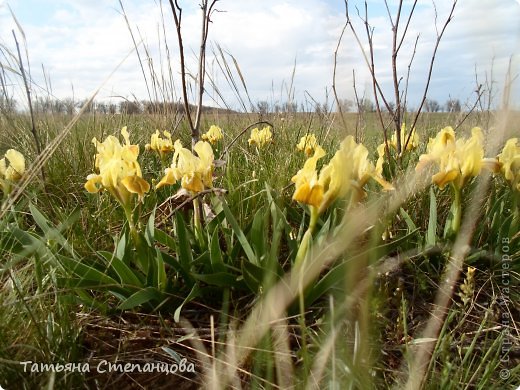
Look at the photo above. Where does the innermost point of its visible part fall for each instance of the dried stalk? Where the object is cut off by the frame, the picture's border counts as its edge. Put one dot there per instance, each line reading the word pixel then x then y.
pixel 400 103
pixel 29 102
pixel 334 90
pixel 206 20
pixel 432 61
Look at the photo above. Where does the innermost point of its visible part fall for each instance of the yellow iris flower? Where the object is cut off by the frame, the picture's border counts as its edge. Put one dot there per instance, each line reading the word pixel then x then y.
pixel 437 147
pixel 119 171
pixel 195 172
pixel 16 167
pixel 307 144
pixel 412 144
pixel 12 167
pixel 349 169
pixel 353 158
pixel 381 150
pixel 260 137
pixel 458 159
pixel 213 135
pixel 160 145
pixel 509 161
pixel 309 189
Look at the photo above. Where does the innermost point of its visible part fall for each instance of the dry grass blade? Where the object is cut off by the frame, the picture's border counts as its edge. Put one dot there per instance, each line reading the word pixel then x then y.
pixel 241 78
pixel 272 307
pixel 46 154
pixel 230 79
pixel 420 362
pixel 136 49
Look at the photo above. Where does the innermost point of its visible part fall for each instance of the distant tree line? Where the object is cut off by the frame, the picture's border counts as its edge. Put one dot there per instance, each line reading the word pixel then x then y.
pixel 263 107
pixel 430 105
pixel 347 105
pixel 7 104
pixel 69 106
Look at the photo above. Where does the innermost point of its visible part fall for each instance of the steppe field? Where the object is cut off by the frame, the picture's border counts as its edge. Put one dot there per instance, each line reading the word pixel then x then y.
pixel 355 243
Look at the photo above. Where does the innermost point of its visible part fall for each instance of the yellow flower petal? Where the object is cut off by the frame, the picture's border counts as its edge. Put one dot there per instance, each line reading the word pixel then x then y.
pixel 3 167
pixel 443 178
pixel 12 166
pixel 136 185
pixel 16 167
pixel 119 171
pixel 308 189
pixel 192 182
pixel 213 135
pixel 126 136
pixel 458 159
pixel 168 179
pixel 93 183
pixel 309 193
pixel 307 144
pixel 194 171
pixel 383 183
pixel 260 137
pixel 509 160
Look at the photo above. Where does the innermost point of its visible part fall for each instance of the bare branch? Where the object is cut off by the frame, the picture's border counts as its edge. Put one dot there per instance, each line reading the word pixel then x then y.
pixel 177 17
pixel 397 112
pixel 434 54
pixel 334 90
pixel 389 14
pixel 206 20
pixel 359 116
pixel 225 151
pixel 407 25
pixel 409 135
pixel 375 85
pixel 477 100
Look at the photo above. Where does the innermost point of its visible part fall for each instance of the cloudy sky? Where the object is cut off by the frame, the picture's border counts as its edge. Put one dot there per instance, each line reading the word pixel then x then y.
pixel 277 45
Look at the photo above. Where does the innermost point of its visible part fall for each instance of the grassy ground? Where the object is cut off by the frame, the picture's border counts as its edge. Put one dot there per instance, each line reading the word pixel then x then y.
pixel 359 323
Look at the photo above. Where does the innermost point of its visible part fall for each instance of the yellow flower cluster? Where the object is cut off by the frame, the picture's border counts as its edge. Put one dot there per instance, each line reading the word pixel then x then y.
pixel 309 188
pixel 16 167
pixel 509 161
pixel 349 169
pixel 12 167
pixel 162 146
pixel 213 135
pixel 194 171
pixel 458 159
pixel 412 143
pixel 308 144
pixel 260 138
pixel 119 171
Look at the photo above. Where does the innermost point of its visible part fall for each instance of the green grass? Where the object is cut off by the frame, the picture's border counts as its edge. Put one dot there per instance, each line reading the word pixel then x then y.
pixel 362 319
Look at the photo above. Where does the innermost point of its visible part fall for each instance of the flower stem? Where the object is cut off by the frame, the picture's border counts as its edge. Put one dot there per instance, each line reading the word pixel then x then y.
pixel 197 220
pixel 515 222
pixel 456 211
pixel 131 224
pixel 307 238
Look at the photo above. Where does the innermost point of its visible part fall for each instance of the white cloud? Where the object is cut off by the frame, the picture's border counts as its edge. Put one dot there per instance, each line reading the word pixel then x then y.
pixel 80 43
pixel 479 32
